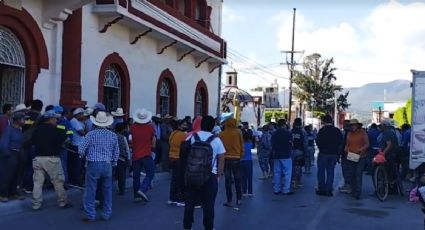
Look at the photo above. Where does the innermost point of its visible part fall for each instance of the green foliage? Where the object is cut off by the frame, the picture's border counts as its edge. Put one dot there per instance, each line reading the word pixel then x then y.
pixel 409 111
pixel 400 116
pixel 315 84
pixel 403 115
pixel 268 115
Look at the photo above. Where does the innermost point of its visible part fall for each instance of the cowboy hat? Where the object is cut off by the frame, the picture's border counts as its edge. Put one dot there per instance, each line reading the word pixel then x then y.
pixel 20 108
pixel 102 119
pixel 51 114
pixel 78 111
pixel 142 116
pixel 118 113
pixel 354 122
pixel 88 112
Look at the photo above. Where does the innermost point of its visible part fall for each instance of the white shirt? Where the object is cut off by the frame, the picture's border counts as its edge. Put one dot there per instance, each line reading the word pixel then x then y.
pixel 216 144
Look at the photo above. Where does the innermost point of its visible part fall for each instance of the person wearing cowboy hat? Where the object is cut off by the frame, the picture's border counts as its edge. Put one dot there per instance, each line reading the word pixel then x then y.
pixel 144 140
pixel 75 164
pixel 356 146
pixel 101 151
pixel 48 140
pixel 118 116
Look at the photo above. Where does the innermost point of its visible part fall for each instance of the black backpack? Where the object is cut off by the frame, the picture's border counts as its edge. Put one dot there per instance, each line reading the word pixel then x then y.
pixel 199 162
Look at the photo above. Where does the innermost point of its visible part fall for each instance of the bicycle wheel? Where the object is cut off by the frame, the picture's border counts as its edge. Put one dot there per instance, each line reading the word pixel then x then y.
pixel 381 182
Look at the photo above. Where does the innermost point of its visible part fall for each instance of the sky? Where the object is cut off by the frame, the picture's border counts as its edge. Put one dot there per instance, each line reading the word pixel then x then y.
pixel 370 40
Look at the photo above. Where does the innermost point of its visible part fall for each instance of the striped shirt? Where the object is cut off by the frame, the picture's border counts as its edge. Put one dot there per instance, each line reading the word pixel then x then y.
pixel 100 145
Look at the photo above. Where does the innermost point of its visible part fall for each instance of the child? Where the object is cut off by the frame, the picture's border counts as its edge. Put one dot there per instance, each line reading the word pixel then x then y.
pixel 246 165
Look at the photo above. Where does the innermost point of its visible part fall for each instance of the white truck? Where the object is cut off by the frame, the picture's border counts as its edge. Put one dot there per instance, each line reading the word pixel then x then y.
pixel 417 144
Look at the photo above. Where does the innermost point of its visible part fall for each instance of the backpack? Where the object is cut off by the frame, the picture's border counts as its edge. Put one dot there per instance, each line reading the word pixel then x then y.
pixel 199 162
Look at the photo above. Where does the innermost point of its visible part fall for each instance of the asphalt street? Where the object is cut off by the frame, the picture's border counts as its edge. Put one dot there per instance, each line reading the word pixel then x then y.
pixel 264 211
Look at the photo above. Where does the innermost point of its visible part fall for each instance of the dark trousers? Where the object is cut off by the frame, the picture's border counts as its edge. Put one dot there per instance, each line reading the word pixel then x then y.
pixel 246 174
pixel 326 171
pixel 75 166
pixel 165 151
pixel 207 193
pixel 8 175
pixel 149 165
pixel 176 185
pixel 357 176
pixel 232 170
pixel 347 169
pixel 25 170
pixel 121 175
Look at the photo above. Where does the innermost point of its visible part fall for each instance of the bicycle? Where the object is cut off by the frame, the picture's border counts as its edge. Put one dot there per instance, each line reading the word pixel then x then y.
pixel 381 179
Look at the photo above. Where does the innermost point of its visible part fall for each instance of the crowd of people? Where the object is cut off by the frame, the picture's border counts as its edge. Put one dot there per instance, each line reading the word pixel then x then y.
pixel 90 147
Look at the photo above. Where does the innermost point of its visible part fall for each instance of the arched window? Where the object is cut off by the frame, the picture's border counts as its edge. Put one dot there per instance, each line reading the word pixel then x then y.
pixel 201 99
pixel 112 89
pixel 114 83
pixel 12 66
pixel 166 96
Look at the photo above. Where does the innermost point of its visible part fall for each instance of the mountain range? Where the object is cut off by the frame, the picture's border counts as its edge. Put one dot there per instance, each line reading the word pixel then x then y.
pixel 361 98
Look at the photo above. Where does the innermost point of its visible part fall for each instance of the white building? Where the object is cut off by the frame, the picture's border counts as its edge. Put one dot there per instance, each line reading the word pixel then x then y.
pixel 383 110
pixel 162 55
pixel 269 95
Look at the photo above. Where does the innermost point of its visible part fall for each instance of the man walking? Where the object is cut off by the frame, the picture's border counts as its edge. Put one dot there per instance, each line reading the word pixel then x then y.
pixel 48 140
pixel 208 191
pixel 100 148
pixel 234 145
pixel 143 138
pixel 329 142
pixel 281 152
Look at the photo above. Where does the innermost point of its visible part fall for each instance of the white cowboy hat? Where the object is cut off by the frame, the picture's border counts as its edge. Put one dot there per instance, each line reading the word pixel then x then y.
pixel 118 113
pixel 20 108
pixel 88 112
pixel 142 116
pixel 102 119
pixel 78 111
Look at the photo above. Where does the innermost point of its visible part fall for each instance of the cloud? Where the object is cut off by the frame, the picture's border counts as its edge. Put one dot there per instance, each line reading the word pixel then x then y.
pixel 383 47
pixel 230 15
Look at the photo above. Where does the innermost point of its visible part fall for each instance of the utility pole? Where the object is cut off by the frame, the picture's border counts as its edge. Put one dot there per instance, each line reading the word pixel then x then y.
pixel 291 65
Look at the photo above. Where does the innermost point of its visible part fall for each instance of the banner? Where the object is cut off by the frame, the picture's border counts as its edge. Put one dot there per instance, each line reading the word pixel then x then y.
pixel 417 144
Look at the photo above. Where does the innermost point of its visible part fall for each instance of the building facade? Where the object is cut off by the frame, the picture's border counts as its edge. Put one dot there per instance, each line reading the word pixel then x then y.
pixel 269 95
pixel 162 55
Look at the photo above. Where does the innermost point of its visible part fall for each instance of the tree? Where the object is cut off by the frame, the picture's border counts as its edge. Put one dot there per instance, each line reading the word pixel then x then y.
pixel 268 115
pixel 315 84
pixel 409 111
pixel 400 116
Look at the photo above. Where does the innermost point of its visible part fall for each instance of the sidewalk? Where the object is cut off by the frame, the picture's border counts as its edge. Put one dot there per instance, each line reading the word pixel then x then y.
pixel 49 197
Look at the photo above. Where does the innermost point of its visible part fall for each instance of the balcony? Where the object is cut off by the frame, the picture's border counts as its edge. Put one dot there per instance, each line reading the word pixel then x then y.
pixel 170 30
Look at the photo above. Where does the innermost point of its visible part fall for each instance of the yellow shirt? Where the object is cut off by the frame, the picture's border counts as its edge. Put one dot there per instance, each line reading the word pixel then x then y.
pixel 176 139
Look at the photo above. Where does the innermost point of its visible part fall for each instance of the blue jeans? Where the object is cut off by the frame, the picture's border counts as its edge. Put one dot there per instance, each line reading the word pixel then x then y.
pixel 357 176
pixel 326 171
pixel 64 162
pixel 282 166
pixel 98 171
pixel 246 174
pixel 149 165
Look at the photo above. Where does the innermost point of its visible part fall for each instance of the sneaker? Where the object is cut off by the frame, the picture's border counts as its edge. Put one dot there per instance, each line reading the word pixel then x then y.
pixel 180 204
pixel 67 205
pixel 138 199
pixel 36 208
pixel 198 206
pixel 346 191
pixel 245 194
pixel 143 195
pixel 228 204
pixel 250 194
pixel 172 202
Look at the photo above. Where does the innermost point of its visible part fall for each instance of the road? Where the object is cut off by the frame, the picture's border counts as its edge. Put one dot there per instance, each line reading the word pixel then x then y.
pixel 264 211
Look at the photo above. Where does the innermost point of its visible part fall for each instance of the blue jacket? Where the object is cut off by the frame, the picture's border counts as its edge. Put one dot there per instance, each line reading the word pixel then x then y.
pixel 281 144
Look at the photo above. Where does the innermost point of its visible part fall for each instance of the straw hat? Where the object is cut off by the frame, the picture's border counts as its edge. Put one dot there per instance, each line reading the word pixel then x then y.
pixel 118 113
pixel 102 119
pixel 142 116
pixel 78 111
pixel 88 112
